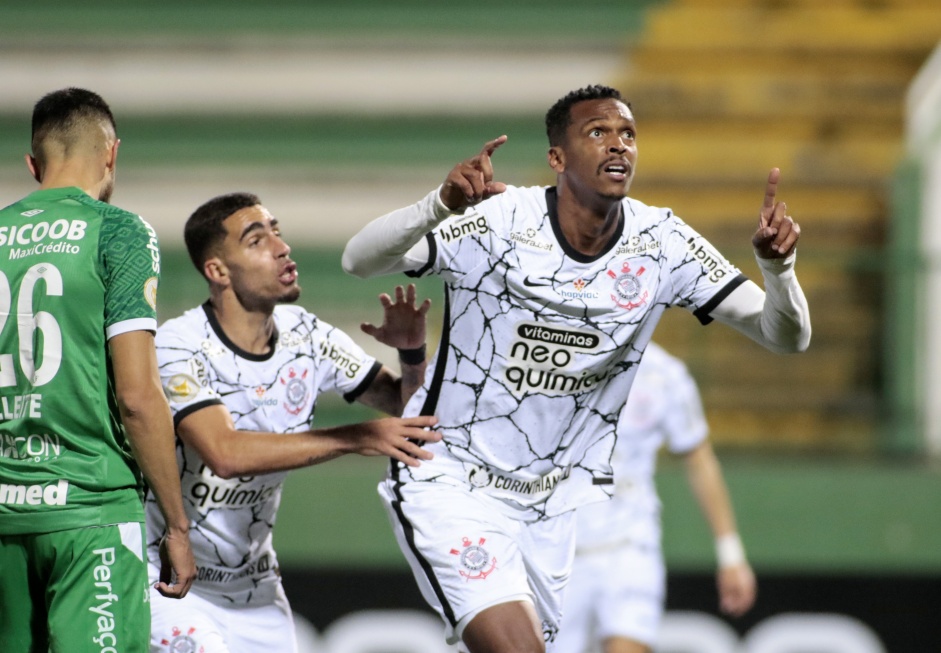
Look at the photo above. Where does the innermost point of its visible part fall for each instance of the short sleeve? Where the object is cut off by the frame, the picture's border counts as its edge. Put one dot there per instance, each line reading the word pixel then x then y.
pixel 129 256
pixel 183 375
pixel 701 277
pixel 346 368
pixel 684 424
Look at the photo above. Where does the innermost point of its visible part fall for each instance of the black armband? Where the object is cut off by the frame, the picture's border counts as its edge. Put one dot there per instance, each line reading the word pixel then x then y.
pixel 412 356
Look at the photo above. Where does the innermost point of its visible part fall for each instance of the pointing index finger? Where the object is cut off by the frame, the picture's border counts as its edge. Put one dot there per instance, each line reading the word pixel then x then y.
pixel 491 146
pixel 483 159
pixel 771 190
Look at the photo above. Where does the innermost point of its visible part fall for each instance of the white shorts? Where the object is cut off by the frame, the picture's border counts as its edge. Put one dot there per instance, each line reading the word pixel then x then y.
pixel 614 593
pixel 194 624
pixel 467 554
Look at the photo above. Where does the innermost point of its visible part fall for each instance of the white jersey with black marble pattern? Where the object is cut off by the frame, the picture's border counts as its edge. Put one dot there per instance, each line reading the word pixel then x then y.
pixel 232 519
pixel 541 343
pixel 663 411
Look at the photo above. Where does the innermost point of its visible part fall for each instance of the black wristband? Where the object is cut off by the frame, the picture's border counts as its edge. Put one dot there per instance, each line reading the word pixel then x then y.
pixel 412 356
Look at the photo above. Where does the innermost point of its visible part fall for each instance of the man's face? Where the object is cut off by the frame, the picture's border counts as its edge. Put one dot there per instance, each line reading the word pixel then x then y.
pixel 599 152
pixel 260 271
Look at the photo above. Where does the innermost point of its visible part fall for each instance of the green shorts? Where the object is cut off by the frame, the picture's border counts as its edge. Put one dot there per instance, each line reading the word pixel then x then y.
pixel 83 590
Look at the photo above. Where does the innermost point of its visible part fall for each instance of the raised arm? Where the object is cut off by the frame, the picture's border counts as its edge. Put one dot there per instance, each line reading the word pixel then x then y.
pixel 471 181
pixel 735 579
pixel 395 241
pixel 778 316
pixel 146 418
pixel 777 233
pixel 403 327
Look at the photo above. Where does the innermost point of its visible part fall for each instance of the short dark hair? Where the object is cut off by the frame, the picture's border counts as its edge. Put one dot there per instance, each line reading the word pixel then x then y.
pixel 559 116
pixel 204 231
pixel 61 114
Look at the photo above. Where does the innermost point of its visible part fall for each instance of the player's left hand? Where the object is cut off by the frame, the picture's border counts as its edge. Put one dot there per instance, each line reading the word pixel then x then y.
pixel 403 324
pixel 177 566
pixel 396 437
pixel 777 233
pixel 737 589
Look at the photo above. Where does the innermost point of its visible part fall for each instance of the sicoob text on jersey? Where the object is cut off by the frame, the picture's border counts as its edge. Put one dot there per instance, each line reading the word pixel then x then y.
pixel 34 238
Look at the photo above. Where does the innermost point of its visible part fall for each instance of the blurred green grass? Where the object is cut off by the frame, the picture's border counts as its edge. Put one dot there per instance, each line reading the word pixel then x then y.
pixel 482 20
pixel 372 146
pixel 793 514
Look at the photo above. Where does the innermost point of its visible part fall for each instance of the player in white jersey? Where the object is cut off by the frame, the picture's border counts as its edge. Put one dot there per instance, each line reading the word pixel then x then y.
pixel 242 374
pixel 552 295
pixel 614 601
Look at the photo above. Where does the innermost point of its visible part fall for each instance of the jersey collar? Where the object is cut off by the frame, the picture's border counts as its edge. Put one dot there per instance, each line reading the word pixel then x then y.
pixel 238 351
pixel 552 209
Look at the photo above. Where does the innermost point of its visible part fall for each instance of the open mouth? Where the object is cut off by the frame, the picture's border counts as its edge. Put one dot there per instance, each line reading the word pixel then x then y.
pixel 616 170
pixel 288 274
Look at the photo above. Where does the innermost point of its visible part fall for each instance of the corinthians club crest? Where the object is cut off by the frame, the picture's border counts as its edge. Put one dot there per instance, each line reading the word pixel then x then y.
pixel 476 560
pixel 479 477
pixel 629 292
pixel 296 391
pixel 182 643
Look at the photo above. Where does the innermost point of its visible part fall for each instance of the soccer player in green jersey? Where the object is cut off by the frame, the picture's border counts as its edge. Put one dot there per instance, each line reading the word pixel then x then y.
pixel 83 418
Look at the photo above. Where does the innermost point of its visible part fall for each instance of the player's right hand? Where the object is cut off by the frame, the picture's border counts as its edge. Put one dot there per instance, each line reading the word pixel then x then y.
pixel 395 437
pixel 177 566
pixel 471 181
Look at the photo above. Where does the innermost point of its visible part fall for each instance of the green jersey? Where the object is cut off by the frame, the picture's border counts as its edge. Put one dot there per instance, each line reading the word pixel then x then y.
pixel 74 272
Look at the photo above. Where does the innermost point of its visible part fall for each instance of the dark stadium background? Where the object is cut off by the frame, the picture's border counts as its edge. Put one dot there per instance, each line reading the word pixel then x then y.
pixel 835 492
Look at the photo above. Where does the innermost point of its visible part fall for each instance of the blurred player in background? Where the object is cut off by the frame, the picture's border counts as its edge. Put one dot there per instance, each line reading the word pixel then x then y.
pixel 242 373
pixel 615 598
pixel 83 412
pixel 551 296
